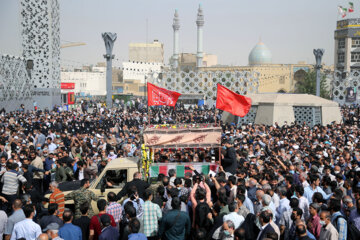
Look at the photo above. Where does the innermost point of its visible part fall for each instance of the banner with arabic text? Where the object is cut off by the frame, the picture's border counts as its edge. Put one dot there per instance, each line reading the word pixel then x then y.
pixel 183 138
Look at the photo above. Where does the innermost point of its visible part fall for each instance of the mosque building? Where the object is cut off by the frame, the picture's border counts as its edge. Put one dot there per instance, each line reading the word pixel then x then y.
pixel 273 78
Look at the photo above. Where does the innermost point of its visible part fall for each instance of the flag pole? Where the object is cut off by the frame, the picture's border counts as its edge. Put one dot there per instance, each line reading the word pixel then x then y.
pixel 147 97
pixel 215 104
pixel 176 120
pixel 219 125
pixel 215 115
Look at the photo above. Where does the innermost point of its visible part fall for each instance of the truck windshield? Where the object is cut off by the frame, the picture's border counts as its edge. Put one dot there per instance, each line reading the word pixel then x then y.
pixel 114 178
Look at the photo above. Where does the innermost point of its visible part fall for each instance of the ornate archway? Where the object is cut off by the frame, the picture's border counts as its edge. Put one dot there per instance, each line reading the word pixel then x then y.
pixel 299 77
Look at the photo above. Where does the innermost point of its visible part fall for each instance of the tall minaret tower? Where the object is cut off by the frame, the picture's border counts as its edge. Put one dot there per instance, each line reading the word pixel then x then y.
pixel 200 24
pixel 176 27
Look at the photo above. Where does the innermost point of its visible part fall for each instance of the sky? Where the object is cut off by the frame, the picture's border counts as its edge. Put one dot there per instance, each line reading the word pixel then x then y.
pixel 290 29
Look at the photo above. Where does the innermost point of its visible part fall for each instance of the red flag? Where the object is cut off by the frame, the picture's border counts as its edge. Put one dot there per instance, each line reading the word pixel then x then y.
pixel 161 96
pixel 231 102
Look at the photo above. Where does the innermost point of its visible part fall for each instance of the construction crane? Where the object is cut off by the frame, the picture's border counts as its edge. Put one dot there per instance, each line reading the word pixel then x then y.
pixel 72 44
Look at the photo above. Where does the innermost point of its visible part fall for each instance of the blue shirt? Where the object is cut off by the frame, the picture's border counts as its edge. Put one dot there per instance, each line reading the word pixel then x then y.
pixel 312 237
pixel 340 225
pixel 284 206
pixel 48 164
pixel 16 217
pixel 309 234
pixel 109 233
pixel 26 229
pixel 70 232
pixel 137 236
pixel 309 192
pixel 248 204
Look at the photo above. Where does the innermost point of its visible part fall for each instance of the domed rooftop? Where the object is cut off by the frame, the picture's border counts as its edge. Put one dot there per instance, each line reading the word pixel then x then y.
pixel 259 55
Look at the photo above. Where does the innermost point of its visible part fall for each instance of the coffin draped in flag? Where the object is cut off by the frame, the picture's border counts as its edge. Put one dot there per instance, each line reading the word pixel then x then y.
pixel 160 96
pixel 200 136
pixel 182 169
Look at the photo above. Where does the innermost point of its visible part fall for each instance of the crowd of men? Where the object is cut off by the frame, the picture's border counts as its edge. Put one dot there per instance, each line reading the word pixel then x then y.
pixel 274 182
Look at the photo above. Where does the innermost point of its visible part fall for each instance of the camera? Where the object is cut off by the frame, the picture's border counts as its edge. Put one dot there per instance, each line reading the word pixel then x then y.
pixel 132 197
pixel 199 178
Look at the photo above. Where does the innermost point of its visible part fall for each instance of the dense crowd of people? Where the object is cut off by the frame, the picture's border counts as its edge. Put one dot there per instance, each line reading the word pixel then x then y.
pixel 274 182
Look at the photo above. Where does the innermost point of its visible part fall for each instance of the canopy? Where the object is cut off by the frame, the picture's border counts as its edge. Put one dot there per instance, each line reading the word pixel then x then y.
pixel 182 136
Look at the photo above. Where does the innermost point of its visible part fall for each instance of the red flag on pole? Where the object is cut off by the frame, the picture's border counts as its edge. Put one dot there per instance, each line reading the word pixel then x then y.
pixel 231 102
pixel 161 96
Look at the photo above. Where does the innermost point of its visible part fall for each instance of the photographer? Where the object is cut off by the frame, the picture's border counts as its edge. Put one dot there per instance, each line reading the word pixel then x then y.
pixel 137 202
pixel 200 193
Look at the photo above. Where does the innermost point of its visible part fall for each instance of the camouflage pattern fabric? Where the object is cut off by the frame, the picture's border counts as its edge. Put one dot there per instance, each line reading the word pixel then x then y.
pixel 80 197
pixel 69 173
pixel 154 186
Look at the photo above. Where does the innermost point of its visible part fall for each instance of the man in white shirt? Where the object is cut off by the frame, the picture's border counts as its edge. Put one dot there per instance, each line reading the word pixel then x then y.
pixel 314 187
pixel 112 154
pixel 3 222
pixel 302 178
pixel 274 196
pixel 26 228
pixel 328 231
pixel 284 204
pixel 328 173
pixel 51 146
pixel 273 225
pixel 233 188
pixel 233 215
pixel 303 202
pixel 268 204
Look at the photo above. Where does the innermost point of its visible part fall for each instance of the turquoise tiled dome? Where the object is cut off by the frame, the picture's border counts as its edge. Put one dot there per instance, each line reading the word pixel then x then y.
pixel 259 55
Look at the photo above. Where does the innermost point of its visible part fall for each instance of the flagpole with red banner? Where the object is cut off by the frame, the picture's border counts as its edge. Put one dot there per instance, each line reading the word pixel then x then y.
pixel 232 102
pixel 147 98
pixel 215 115
pixel 158 96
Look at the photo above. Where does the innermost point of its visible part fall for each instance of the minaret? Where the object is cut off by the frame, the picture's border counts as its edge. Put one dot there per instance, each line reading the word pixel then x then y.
pixel 200 24
pixel 176 27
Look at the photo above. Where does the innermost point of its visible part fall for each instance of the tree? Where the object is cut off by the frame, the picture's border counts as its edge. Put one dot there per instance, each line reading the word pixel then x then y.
pixel 308 85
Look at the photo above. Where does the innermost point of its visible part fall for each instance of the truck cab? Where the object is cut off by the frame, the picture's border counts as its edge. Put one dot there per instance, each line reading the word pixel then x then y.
pixel 113 178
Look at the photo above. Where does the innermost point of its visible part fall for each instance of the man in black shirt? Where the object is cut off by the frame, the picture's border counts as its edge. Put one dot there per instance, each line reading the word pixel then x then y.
pixel 140 186
pixel 229 162
pixel 84 221
pixel 52 217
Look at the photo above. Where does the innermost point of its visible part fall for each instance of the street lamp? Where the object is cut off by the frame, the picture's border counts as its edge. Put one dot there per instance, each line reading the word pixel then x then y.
pixel 109 39
pixel 318 56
